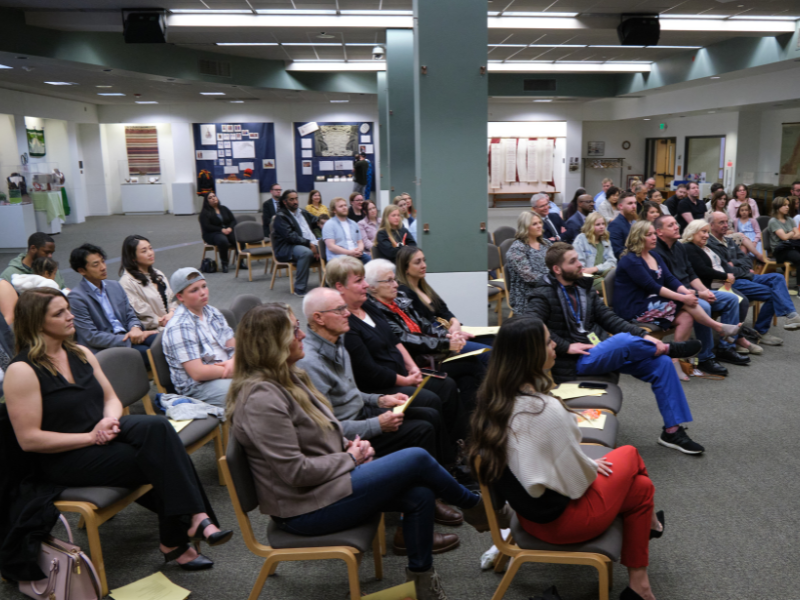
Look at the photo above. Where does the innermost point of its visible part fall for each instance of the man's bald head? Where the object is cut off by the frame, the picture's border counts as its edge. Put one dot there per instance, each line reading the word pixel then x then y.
pixel 586 203
pixel 718 224
pixel 320 299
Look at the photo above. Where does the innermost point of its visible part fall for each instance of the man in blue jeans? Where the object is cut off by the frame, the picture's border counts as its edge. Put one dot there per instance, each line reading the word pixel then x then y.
pixel 769 288
pixel 578 321
pixel 727 304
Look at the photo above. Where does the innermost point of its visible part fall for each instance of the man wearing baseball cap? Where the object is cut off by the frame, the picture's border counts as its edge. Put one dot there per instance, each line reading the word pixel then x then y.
pixel 198 342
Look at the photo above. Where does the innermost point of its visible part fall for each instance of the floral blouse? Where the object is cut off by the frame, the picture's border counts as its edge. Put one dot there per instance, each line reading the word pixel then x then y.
pixel 524 266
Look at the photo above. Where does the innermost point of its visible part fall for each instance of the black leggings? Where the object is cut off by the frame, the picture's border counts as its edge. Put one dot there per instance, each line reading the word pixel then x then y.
pixel 791 255
pixel 223 242
pixel 147 450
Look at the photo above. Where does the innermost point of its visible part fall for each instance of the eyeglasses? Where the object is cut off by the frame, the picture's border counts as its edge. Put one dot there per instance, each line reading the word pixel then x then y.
pixel 389 281
pixel 297 330
pixel 339 310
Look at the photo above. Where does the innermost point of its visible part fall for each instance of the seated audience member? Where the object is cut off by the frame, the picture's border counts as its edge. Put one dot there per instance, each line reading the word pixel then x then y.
pixel 656 198
pixel 794 209
pixel 408 219
pixel 783 235
pixel 649 211
pixel 44 273
pixel 566 302
pixel 715 187
pixel 529 445
pixel 745 224
pixel 619 228
pixel 321 220
pixel 411 271
pixel 342 236
pixel 356 212
pixel 293 240
pixel 147 288
pixel 392 235
pixel 601 195
pixel 411 212
pixel 308 479
pixel 427 344
pixel 363 415
pixel 315 207
pixel 608 206
pixel 769 288
pixel 524 263
pixel 594 249
pixel 575 222
pixel 40 245
pixel 81 438
pixel 672 202
pixel 717 203
pixel 103 316
pixel 552 224
pixel 270 208
pixel 691 207
pixel 640 191
pixel 650 185
pixel 368 226
pixel 8 300
pixel 216 224
pixel 741 195
pixel 572 207
pixel 198 342
pixel 676 259
pixel 384 366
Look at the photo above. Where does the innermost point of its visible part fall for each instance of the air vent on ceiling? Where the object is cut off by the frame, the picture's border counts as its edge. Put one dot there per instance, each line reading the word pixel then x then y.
pixel 539 85
pixel 218 68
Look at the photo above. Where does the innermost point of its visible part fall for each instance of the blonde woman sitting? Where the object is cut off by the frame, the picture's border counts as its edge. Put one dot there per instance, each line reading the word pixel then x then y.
pixel 594 249
pixel 524 262
pixel 391 234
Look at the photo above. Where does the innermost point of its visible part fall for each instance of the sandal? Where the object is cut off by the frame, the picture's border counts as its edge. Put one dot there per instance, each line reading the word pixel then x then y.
pixel 201 563
pixel 654 533
pixel 215 539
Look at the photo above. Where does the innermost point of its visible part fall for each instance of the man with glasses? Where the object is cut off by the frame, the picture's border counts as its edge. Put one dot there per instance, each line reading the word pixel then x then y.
pixel 553 225
pixel 270 208
pixel 368 416
pixel 575 222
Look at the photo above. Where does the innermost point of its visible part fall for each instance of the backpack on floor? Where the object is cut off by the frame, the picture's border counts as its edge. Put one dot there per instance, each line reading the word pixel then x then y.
pixel 208 266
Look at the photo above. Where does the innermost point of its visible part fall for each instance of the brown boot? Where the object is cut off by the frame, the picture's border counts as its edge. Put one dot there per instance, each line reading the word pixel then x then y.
pixel 428 584
pixel 446 515
pixel 442 542
pixel 476 516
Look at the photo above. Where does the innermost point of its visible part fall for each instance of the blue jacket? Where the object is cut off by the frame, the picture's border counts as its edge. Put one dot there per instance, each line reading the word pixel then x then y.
pixel 557 222
pixel 618 231
pixel 637 287
pixel 573 225
pixel 92 327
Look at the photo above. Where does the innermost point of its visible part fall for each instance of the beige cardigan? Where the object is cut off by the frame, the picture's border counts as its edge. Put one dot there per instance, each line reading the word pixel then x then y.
pixel 146 301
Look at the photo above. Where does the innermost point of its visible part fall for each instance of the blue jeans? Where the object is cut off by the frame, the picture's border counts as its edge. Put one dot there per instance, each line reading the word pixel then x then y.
pixel 772 291
pixel 471 346
pixel 407 481
pixel 302 257
pixel 728 305
pixel 632 355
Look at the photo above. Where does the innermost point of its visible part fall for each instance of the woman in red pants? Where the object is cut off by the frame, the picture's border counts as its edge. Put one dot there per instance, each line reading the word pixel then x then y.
pixel 529 443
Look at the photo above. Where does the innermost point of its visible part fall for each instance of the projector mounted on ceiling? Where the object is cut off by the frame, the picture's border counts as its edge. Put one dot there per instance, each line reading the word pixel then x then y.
pixel 639 30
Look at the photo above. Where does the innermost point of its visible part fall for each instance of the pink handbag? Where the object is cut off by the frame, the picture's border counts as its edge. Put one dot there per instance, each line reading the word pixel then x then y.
pixel 70 573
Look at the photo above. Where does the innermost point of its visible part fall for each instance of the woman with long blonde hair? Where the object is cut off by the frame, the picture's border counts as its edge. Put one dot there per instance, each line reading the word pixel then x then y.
pixel 391 234
pixel 306 476
pixel 593 246
pixel 524 261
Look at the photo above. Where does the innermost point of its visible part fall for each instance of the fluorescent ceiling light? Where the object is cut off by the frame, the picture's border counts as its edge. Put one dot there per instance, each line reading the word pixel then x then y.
pixel 396 13
pixel 672 16
pixel 548 15
pixel 776 18
pixel 247 43
pixel 562 67
pixel 543 100
pixel 286 11
pixel 146 102
pixel 5 67
pixel 675 47
pixel 110 94
pixel 237 101
pixel 212 93
pixel 613 46
pixel 59 83
pixel 339 101
pixel 506 45
pixel 727 25
pixel 216 11
pixel 103 86
pixel 322 65
pixel 558 45
pixel 534 23
pixel 292 20
pixel 715 77
pixel 645 119
pixel 312 44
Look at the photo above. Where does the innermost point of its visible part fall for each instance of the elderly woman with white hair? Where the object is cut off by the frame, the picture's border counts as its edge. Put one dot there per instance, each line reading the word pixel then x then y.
pixel 524 261
pixel 426 343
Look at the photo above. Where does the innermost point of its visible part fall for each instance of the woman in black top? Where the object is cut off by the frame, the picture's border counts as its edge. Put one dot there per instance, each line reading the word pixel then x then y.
pixel 65 411
pixel 216 224
pixel 392 235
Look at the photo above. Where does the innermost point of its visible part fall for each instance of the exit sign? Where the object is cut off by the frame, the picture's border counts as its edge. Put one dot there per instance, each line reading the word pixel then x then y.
pixel 662 125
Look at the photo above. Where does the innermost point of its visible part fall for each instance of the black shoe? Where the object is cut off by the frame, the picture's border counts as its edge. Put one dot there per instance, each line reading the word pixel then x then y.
pixel 201 563
pixel 680 441
pixel 712 367
pixel 654 534
pixel 687 349
pixel 629 594
pixel 224 268
pixel 215 539
pixel 730 355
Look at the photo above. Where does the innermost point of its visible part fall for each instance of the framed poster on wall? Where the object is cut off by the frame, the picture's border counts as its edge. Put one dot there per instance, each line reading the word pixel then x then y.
pixel 237 160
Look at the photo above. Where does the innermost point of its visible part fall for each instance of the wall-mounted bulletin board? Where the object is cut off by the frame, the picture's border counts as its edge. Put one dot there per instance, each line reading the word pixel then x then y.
pixel 237 151
pixel 329 149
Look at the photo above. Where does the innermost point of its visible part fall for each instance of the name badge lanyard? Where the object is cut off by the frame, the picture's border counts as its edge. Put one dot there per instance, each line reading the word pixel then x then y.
pixel 576 315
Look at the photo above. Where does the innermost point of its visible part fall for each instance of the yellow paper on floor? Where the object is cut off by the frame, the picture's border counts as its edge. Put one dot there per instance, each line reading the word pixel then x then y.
pixel 180 425
pixel 480 330
pixel 597 423
pixel 466 354
pixel 398 592
pixel 568 391
pixel 155 587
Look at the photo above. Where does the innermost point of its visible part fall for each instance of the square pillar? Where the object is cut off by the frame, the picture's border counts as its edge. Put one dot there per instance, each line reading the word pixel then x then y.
pixel 400 87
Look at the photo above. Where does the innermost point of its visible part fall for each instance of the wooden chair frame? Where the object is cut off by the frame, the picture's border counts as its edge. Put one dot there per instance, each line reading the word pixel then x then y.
pixel 243 252
pixel 351 556
pixel 209 248
pixel 277 266
pixel 519 556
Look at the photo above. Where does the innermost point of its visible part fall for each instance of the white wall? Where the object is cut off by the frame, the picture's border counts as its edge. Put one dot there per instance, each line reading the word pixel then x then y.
pixel 769 143
pixel 613 133
pixel 90 153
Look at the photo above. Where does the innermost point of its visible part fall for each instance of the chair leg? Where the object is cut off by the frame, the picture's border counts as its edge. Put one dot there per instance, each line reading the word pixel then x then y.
pixel 382 535
pixel 603 584
pixel 226 428
pixel 274 274
pixel 352 576
pixel 610 566
pixel 249 268
pixel 291 277
pixel 376 553
pixel 262 578
pixel 219 454
pixel 502 559
pixel 513 567
pixel 216 257
pixel 95 550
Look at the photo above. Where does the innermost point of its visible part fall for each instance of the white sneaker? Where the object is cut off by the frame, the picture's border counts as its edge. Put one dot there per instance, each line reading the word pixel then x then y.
pixel 770 340
pixel 792 324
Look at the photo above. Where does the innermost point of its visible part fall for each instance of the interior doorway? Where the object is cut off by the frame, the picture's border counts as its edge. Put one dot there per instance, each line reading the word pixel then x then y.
pixel 659 161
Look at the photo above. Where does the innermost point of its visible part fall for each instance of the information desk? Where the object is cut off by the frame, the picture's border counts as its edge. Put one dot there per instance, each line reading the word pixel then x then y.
pixel 142 198
pixel 239 197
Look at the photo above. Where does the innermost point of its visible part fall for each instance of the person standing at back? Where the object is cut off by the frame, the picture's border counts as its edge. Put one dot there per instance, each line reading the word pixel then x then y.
pixel 270 208
pixel 360 173
pixel 575 222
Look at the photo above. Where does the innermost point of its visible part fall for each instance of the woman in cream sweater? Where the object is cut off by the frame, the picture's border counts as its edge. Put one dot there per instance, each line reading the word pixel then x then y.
pixel 530 448
pixel 147 288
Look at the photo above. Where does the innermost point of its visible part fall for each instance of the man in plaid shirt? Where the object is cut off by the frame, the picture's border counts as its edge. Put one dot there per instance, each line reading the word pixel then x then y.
pixel 198 343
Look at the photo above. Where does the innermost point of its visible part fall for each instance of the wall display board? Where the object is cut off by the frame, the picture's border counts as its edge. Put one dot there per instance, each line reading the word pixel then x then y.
pixel 236 152
pixel 327 152
pixel 36 147
pixel 141 142
pixel 519 166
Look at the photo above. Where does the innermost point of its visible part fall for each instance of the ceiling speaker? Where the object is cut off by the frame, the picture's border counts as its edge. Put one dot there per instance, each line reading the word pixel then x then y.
pixel 144 26
pixel 639 30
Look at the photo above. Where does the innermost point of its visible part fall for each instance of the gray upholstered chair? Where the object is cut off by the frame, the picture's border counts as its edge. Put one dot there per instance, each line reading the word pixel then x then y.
pixel 230 318
pixel 348 545
pixel 252 246
pixel 501 234
pixel 159 366
pixel 241 304
pixel 245 218
pixel 610 401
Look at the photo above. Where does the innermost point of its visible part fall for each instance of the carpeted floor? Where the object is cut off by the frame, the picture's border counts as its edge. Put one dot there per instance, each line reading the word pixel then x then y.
pixel 731 526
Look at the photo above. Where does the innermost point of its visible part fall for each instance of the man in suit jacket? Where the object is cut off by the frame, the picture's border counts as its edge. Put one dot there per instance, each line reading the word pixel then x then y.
pixel 553 225
pixel 103 315
pixel 270 208
pixel 620 227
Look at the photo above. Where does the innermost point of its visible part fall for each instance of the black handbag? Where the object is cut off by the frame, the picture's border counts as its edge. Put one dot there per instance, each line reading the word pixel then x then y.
pixel 208 266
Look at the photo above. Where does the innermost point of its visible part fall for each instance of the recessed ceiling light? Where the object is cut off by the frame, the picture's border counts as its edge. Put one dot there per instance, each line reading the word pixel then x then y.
pixel 237 101
pixel 645 119
pixel 146 102
pixel 339 101
pixel 543 100
pixel 715 77
pixel 103 86
pixel 59 83
pixel 212 93
pixel 110 94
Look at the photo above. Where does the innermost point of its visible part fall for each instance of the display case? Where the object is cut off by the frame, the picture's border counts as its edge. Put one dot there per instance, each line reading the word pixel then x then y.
pixel 141 192
pixel 40 184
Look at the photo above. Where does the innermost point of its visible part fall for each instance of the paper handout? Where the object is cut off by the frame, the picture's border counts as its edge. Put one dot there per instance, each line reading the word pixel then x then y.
pixel 480 330
pixel 592 419
pixel 398 592
pixel 568 391
pixel 402 408
pixel 155 587
pixel 466 354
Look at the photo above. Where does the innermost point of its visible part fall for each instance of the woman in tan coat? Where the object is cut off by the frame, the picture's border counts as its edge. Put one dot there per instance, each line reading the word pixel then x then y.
pixel 147 288
pixel 308 477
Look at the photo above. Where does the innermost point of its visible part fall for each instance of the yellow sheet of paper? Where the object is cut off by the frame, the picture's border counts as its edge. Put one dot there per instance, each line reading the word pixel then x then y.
pixel 180 425
pixel 398 592
pixel 155 587
pixel 588 275
pixel 402 408
pixel 466 354
pixel 480 330
pixel 568 391
pixel 598 423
